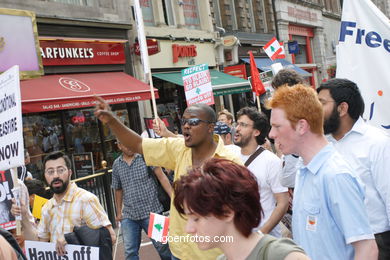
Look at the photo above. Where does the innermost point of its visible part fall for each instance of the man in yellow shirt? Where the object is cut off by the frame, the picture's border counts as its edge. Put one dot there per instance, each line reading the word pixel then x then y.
pixel 198 145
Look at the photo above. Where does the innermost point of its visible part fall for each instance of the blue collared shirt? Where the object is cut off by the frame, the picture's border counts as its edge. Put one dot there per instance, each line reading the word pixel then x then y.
pixel 329 212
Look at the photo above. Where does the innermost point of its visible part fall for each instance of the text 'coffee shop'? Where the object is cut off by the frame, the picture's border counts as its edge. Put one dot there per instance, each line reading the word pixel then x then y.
pixel 58 107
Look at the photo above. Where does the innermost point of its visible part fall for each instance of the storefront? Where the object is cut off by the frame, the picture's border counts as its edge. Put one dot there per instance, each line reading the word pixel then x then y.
pixel 58 107
pixel 302 26
pixel 175 55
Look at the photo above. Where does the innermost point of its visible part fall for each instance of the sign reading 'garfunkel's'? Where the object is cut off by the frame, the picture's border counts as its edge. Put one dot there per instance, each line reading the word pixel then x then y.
pixel 11 125
pixel 363 56
pixel 197 85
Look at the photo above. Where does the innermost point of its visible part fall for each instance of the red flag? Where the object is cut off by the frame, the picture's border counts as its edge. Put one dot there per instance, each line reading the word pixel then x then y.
pixel 257 85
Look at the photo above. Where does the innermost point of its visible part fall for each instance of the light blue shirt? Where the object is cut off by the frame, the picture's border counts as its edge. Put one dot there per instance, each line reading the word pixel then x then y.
pixel 328 206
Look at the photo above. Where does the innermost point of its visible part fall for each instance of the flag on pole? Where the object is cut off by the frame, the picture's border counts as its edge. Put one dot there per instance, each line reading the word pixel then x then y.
pixel 257 84
pixel 282 54
pixel 158 227
pixel 363 56
pixel 273 48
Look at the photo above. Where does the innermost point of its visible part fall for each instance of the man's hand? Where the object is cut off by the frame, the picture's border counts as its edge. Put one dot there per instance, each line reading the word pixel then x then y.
pixel 60 246
pixel 16 210
pixel 103 111
pixel 112 234
pixel 118 218
pixel 159 127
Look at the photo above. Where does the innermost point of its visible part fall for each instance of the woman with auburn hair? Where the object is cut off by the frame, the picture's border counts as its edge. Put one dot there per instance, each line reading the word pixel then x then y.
pixel 221 202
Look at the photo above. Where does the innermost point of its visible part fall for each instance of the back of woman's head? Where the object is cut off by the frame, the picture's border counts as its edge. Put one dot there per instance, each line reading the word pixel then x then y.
pixel 221 186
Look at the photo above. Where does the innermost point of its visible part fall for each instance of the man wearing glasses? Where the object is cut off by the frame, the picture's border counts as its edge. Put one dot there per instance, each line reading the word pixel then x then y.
pixel 70 206
pixel 251 132
pixel 180 154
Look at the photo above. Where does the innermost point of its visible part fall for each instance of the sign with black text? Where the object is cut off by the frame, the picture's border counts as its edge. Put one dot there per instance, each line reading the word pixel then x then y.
pixel 47 251
pixel 7 220
pixel 83 164
pixel 11 125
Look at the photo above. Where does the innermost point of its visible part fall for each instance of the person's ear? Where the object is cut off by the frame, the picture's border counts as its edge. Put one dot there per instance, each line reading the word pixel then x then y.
pixel 211 128
pixel 228 214
pixel 342 109
pixel 302 126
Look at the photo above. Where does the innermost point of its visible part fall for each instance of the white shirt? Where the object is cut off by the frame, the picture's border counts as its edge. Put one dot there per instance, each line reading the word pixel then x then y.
pixel 267 168
pixel 234 149
pixel 289 171
pixel 367 150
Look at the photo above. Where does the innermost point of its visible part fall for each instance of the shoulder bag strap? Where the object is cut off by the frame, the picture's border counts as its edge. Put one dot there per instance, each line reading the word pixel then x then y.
pixel 254 155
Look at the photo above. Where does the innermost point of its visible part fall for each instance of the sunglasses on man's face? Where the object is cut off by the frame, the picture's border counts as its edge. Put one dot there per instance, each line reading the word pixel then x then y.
pixel 193 121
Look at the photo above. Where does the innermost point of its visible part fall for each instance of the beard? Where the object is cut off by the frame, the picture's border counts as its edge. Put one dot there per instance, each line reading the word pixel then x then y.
pixel 244 141
pixel 59 189
pixel 332 124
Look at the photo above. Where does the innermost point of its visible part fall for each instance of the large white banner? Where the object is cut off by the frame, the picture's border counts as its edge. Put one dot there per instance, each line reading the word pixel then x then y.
pixel 11 125
pixel 363 56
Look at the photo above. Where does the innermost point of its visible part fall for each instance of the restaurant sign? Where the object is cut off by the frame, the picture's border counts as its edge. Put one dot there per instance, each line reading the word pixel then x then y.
pixel 58 53
pixel 152 44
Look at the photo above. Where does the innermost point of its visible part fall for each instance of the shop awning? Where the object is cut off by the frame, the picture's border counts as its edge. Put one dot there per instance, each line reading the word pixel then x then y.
pixel 264 64
pixel 69 91
pixel 223 84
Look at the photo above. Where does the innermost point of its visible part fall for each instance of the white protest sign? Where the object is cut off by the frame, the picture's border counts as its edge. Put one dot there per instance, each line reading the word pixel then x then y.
pixel 11 125
pixel 363 56
pixel 197 85
pixel 47 251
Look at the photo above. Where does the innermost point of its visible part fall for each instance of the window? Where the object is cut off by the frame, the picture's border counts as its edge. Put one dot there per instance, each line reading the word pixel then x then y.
pixel 217 13
pixel 191 14
pixel 42 134
pixel 332 6
pixel 301 57
pixel 147 12
pixel 168 12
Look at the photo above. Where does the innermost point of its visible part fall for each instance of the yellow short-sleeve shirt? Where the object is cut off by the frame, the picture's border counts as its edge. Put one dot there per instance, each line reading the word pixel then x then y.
pixel 172 153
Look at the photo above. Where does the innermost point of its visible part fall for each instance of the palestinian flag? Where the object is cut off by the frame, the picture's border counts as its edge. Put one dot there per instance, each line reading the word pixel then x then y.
pixel 273 48
pixel 158 227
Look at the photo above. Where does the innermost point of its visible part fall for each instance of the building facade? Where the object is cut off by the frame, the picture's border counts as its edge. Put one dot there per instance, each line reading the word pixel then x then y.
pixel 85 50
pixel 182 35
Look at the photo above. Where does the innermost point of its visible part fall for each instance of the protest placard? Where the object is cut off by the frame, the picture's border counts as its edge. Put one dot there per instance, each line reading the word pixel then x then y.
pixel 11 125
pixel 197 85
pixel 47 251
pixel 37 207
pixel 7 220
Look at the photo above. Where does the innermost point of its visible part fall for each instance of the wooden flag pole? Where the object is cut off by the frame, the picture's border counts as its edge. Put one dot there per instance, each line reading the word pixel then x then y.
pixel 153 96
pixel 14 173
pixel 258 103
pixel 144 53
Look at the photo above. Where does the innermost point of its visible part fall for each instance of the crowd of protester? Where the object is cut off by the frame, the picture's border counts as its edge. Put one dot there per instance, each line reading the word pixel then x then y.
pixel 313 171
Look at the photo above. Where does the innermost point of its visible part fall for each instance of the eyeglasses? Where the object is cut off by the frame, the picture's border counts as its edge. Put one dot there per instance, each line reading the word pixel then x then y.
pixel 193 121
pixel 243 125
pixel 324 101
pixel 60 170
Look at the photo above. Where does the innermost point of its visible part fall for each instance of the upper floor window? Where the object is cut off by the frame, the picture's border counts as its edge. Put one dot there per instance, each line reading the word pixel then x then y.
pixel 191 14
pixel 147 12
pixel 332 6
pixel 168 12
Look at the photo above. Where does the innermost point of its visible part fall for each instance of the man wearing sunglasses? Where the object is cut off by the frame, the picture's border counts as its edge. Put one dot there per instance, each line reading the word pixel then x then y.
pixel 197 145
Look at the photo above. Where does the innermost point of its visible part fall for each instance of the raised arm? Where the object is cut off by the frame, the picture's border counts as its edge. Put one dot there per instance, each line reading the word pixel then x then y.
pixel 125 135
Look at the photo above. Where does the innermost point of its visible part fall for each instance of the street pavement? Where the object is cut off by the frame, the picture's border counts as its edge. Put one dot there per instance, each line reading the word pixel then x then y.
pixel 146 252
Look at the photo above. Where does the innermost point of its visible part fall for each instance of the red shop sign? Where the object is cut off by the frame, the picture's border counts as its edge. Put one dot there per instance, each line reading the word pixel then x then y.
pixel 152 44
pixel 57 53
pixel 183 51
